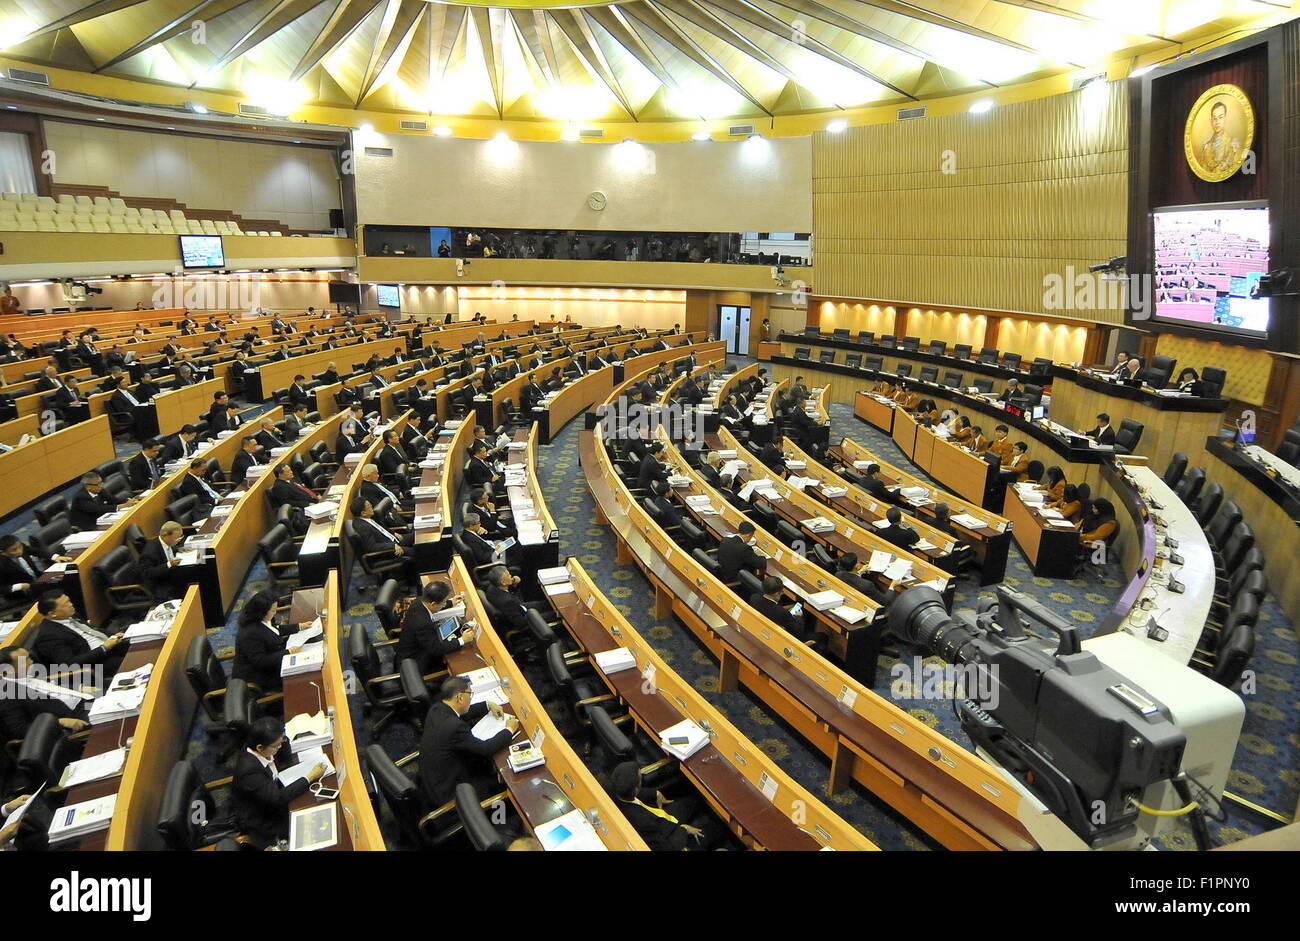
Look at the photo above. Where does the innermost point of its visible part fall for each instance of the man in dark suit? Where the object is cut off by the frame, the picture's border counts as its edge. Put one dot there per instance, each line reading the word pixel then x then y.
pixel 62 638
pixel 791 620
pixel 1103 433
pixel 49 380
pixel 70 401
pixel 260 803
pixel 450 754
pixel 287 490
pixel 142 470
pixel 669 517
pixel 267 436
pixel 412 438
pixel 902 536
pixel 661 824
pixel 502 595
pixel 157 561
pixel 194 485
pixel 421 637
pixel 330 375
pixel 19 569
pixel 245 459
pixel 374 537
pixel 877 487
pixel 24 697
pixel 217 412
pixel 180 445
pixel 771 457
pixel 735 552
pixel 846 570
pixel 294 423
pixel 390 458
pixel 478 472
pixel 651 467
pixel 90 502
pixel 375 490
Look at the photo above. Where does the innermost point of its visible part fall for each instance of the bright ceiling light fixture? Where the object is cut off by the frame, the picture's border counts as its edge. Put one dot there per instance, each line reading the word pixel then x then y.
pixel 838 125
pixel 277 97
pixel 442 130
pixel 14 30
pixel 702 134
pixel 982 106
pixel 569 134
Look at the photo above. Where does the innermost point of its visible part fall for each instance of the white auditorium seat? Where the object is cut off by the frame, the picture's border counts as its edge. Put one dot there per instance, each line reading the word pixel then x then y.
pixel 151 228
pixel 8 222
pixel 64 224
pixel 101 225
pixel 117 206
pixel 66 200
pixel 115 224
pixel 83 226
pixel 46 204
pixel 132 215
pixel 27 224
pixel 223 227
pixel 209 228
pixel 165 226
pixel 9 197
pixel 177 217
pixel 277 232
pixel 46 224
pixel 135 228
pixel 101 205
pixel 85 203
pixel 195 227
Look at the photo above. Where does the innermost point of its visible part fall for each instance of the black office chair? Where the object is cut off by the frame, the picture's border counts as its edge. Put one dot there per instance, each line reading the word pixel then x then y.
pixel 387 599
pixel 1222 524
pixel 1128 436
pixel 1208 505
pixel 953 380
pixel 1040 368
pixel 46 750
pixel 866 336
pixel 1010 360
pixel 938 347
pixel 576 685
pixel 886 340
pixel 827 356
pixel 802 352
pixel 47 510
pixel 789 534
pixel 983 385
pixel 1189 486
pixel 116 573
pixel 378 563
pixel 483 836
pixel 988 356
pixel 904 370
pixel 875 363
pixel 1212 381
pixel 1160 371
pixel 929 374
pixel 184 511
pixel 961 351
pixel 840 333
pixel 423 826
pixel 1289 449
pixel 1174 472
pixel 48 538
pixel 280 555
pixel 383 690
pixel 853 360
pixel 187 813
pixel 912 344
pixel 206 677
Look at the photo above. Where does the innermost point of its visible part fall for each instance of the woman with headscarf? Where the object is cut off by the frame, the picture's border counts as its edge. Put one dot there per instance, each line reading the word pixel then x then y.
pixel 1098 524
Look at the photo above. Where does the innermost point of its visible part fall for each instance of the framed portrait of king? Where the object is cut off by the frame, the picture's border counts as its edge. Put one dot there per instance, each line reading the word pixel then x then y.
pixel 1220 129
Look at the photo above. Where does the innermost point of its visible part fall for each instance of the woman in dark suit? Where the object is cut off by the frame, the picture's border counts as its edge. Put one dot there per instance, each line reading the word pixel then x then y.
pixel 259 645
pixel 260 802
pixel 1190 383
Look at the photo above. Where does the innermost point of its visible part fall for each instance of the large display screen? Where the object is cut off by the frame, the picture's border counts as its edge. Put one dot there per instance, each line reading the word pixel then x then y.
pixel 202 251
pixel 386 295
pixel 1207 265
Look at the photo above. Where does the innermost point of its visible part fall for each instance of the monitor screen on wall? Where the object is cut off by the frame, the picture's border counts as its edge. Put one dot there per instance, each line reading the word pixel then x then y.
pixel 387 296
pixel 1207 265
pixel 202 251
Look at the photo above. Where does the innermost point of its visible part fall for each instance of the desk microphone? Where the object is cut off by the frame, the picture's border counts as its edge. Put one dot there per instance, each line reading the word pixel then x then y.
pixel 320 696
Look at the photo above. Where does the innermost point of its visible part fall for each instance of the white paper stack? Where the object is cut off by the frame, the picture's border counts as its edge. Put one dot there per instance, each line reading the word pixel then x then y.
pixel 818 524
pixel 846 613
pixel 320 511
pixel 678 480
pixel 428 521
pixel 307 660
pixel 970 522
pixel 432 491
pixel 95 768
pixel 695 739
pixel 482 680
pixel 305 731
pixel 861 465
pixel 108 519
pixel 551 576
pixel 831 493
pixel 825 600
pixel 796 465
pixel 79 540
pixel 223 435
pixel 879 561
pixel 899 568
pixel 118 704
pixel 80 819
pixel 923 545
pixel 308 758
pixel 914 493
pixel 613 661
pixel 147 631
pixel 572 832
pixel 313 633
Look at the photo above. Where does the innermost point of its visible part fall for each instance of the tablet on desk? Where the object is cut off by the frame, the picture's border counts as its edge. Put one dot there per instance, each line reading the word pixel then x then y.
pixel 313 828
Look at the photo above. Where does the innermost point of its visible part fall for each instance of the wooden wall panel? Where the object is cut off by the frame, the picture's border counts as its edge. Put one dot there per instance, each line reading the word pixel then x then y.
pixel 1036 187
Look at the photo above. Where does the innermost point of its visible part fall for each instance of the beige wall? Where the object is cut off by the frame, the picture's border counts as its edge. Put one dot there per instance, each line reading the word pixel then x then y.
pixel 289 292
pixel 1035 187
pixel 294 185
pixel 754 186
pixel 596 307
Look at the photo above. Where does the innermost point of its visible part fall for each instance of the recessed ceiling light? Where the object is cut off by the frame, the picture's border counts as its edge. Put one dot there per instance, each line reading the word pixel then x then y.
pixel 981 106
pixel 837 125
pixel 701 134
pixel 569 134
pixel 501 136
pixel 196 107
pixel 442 130
pixel 367 127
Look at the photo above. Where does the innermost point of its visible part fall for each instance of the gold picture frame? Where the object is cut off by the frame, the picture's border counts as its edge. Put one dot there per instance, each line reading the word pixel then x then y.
pixel 1219 132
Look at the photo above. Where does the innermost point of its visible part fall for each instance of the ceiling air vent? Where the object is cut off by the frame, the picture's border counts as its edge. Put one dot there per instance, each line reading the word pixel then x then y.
pixel 740 130
pixel 28 76
pixel 256 110
pixel 413 125
pixel 907 114
pixel 379 151
pixel 590 133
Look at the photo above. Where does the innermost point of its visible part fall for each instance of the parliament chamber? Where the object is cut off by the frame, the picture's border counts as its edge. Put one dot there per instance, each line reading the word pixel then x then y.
pixel 651 427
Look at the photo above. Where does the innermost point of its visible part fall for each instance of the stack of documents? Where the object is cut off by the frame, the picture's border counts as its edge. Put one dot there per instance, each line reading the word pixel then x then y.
pixel 80 819
pixel 879 561
pixel 572 832
pixel 433 491
pixel 551 576
pixel 819 524
pixel 524 755
pixel 861 465
pixel 96 768
pixel 846 613
pixel 700 503
pixel 108 519
pixel 678 480
pixel 914 493
pixel 147 631
pixel 970 522
pixel 616 660
pixel 428 521
pixel 312 633
pixel 117 704
pixel 482 680
pixel 831 493
pixel 796 465
pixel 559 588
pixel 898 569
pixel 683 739
pixel 825 600
pixel 923 545
pixel 309 659
pixel 320 511
pixel 305 731
pixel 79 540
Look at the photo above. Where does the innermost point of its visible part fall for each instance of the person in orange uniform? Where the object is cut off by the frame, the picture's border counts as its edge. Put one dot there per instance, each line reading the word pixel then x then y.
pixel 963 433
pixel 1054 484
pixel 1019 463
pixel 1098 522
pixel 908 398
pixel 1001 445
pixel 977 443
pixel 1069 506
